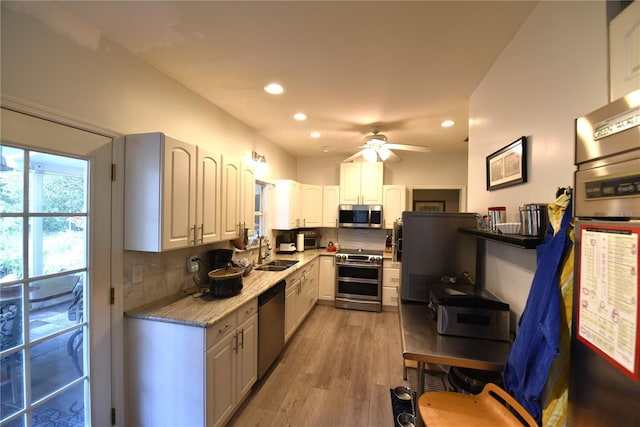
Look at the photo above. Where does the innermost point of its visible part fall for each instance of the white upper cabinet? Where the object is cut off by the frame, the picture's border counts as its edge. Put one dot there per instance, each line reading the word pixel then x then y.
pixel 209 173
pixel 330 201
pixel 311 205
pixel 361 183
pixel 394 203
pixel 230 199
pixel 160 193
pixel 287 205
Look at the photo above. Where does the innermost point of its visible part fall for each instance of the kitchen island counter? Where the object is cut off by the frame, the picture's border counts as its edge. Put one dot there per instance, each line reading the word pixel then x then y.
pixel 422 343
pixel 205 311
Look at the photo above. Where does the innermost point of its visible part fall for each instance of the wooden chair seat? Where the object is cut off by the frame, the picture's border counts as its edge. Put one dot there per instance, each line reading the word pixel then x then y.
pixel 489 408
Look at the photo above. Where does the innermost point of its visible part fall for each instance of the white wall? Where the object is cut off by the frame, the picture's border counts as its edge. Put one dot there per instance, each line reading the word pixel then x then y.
pixel 52 61
pixel 553 71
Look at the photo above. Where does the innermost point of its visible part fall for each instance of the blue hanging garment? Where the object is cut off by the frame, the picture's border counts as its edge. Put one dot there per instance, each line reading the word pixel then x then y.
pixel 536 343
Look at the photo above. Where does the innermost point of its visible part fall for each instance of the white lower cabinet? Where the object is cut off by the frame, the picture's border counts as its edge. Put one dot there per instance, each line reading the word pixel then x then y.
pixel 327 278
pixel 187 375
pixel 231 362
pixel 300 296
pixel 390 283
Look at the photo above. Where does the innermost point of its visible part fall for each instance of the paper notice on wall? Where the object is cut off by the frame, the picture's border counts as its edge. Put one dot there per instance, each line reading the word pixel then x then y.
pixel 608 299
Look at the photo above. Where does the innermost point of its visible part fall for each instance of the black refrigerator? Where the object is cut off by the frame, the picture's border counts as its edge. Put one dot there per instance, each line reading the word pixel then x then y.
pixel 435 251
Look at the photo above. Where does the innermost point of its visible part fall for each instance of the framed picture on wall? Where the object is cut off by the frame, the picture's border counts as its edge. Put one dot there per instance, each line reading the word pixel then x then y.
pixel 508 165
pixel 429 206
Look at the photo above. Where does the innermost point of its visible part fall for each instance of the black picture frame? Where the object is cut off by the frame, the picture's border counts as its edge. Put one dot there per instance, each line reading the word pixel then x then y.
pixel 508 165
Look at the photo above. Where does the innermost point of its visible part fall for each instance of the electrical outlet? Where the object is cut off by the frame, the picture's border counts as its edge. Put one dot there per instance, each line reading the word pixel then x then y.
pixel 193 264
pixel 137 274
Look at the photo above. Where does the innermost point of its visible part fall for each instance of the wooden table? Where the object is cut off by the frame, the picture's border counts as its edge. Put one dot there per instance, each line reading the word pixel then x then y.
pixel 43 290
pixel 422 344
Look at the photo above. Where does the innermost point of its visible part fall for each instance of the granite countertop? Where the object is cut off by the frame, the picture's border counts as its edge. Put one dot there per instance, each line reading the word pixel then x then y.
pixel 203 312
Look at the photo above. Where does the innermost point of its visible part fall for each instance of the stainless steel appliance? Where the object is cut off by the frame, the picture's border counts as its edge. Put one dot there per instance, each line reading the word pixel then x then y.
pixel 433 249
pixel 604 387
pixel 607 182
pixel 396 239
pixel 360 216
pixel 311 239
pixel 270 326
pixel 359 279
pixel 466 311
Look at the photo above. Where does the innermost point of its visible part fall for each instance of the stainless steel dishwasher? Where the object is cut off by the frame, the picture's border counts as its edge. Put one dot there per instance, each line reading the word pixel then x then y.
pixel 270 326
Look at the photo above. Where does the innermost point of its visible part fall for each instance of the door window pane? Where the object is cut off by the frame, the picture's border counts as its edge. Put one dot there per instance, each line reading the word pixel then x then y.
pixel 52 367
pixel 11 259
pixel 11 179
pixel 11 398
pixel 56 245
pixel 57 184
pixel 66 409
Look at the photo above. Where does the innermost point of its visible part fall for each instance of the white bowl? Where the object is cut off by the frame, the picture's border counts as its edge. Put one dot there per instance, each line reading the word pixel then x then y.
pixel 509 227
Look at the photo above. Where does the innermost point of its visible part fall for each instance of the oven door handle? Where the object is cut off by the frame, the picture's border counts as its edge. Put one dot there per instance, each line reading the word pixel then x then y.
pixel 359 265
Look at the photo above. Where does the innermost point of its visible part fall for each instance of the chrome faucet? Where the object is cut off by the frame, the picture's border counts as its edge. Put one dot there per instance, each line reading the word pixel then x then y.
pixel 260 249
pixel 267 249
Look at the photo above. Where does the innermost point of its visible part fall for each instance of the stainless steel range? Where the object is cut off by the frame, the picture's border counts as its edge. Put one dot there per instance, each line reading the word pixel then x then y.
pixel 359 279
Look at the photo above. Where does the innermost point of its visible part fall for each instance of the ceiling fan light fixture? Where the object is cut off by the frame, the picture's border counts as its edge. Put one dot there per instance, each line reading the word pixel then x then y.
pixel 384 153
pixel 370 155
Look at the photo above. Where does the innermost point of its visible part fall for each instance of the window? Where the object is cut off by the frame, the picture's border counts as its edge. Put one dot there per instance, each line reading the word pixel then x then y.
pixel 260 214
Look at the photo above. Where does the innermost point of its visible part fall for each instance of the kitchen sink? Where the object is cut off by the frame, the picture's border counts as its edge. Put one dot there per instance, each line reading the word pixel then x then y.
pixel 277 265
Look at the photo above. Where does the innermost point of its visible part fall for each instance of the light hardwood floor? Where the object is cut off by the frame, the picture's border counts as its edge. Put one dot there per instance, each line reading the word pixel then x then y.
pixel 336 370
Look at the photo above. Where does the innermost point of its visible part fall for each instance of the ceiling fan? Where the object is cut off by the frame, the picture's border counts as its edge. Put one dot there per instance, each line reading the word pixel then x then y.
pixel 376 146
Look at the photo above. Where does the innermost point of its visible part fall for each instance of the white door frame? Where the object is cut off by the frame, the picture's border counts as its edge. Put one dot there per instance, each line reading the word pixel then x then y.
pixel 462 200
pixel 115 240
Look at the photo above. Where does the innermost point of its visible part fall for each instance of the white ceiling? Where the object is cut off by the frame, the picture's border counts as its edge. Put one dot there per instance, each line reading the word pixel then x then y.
pixel 401 67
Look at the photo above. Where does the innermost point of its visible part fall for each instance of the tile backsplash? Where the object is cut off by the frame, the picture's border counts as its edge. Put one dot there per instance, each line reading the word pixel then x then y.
pixel 165 274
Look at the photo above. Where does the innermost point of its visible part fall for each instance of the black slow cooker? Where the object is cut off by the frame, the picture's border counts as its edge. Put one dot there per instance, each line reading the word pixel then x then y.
pixel 225 282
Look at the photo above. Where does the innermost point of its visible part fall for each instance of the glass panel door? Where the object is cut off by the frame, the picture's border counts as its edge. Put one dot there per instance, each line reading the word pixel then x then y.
pixel 43 265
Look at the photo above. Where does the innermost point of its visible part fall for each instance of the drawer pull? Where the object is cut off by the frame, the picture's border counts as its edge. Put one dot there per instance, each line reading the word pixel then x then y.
pixel 224 330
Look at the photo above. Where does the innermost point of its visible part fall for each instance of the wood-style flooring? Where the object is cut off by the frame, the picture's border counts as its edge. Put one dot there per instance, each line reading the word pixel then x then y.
pixel 336 370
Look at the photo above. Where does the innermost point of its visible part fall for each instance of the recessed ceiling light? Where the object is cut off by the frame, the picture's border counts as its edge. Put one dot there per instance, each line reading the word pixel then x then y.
pixel 300 116
pixel 315 134
pixel 447 123
pixel 274 89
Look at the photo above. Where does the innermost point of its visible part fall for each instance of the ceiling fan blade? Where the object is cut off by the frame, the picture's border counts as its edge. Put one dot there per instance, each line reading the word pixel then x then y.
pixel 348 159
pixel 404 147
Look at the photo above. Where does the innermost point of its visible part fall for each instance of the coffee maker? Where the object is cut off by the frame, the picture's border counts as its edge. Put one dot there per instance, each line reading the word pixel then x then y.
pixel 220 258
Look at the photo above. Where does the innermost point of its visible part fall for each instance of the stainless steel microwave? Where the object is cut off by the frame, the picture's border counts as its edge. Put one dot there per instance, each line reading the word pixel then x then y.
pixel 360 216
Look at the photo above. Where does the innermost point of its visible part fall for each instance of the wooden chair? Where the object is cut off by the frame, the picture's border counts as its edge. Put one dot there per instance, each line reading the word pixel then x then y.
pixel 493 407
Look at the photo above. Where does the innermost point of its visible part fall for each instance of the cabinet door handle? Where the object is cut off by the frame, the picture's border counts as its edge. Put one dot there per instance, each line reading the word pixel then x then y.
pixel 236 343
pixel 242 336
pixel 224 330
pixel 194 234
